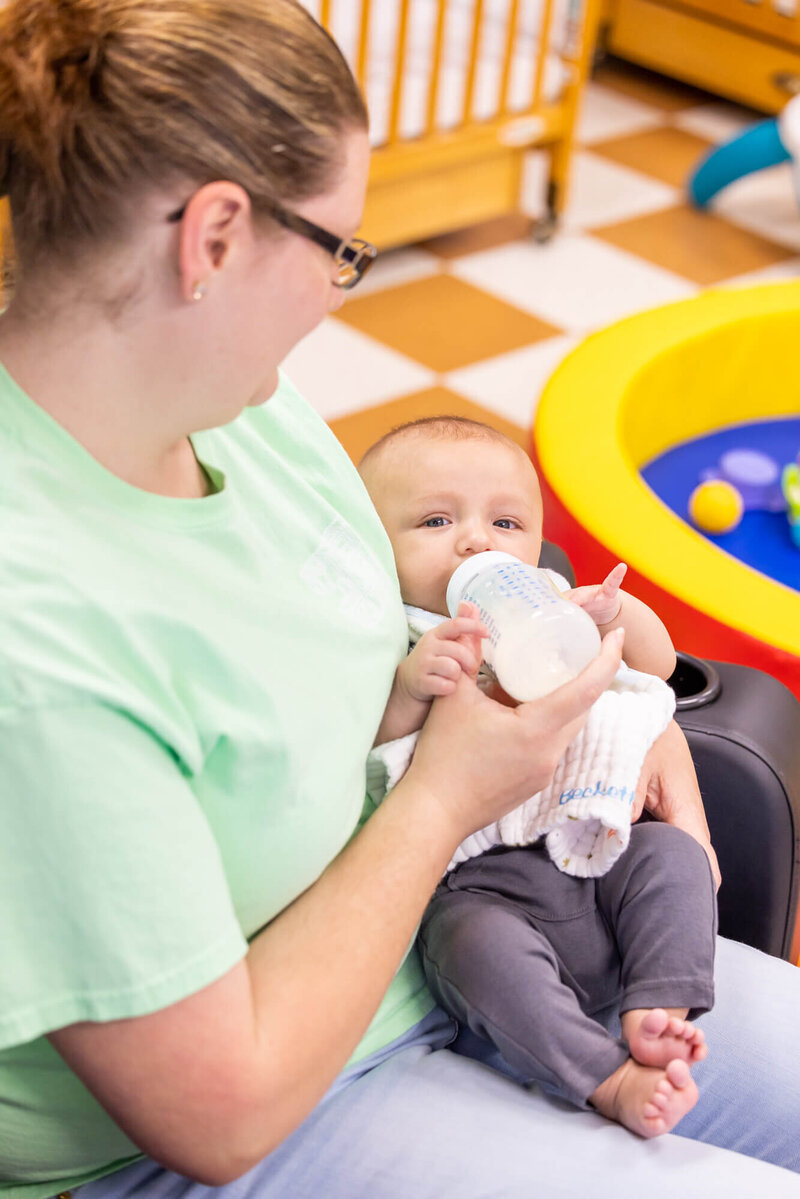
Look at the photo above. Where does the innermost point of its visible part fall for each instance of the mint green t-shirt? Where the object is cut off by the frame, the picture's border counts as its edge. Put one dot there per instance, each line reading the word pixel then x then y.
pixel 188 693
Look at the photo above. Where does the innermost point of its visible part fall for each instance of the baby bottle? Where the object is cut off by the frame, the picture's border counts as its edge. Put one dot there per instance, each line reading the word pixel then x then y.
pixel 537 638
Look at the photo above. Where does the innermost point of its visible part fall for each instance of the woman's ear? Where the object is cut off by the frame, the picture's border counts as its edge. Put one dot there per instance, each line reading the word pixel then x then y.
pixel 216 217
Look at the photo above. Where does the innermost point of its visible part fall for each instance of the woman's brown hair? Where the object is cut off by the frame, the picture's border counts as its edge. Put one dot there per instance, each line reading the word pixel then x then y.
pixel 104 100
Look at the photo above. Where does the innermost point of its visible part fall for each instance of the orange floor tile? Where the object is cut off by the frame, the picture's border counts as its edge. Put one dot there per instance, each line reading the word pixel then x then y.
pixel 696 245
pixel 443 322
pixel 669 154
pixel 362 429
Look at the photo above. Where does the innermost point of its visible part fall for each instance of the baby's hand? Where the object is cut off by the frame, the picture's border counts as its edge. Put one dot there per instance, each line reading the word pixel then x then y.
pixel 602 603
pixel 441 655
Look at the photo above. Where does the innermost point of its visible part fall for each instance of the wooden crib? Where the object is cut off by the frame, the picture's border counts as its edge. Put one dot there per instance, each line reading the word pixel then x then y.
pixel 458 92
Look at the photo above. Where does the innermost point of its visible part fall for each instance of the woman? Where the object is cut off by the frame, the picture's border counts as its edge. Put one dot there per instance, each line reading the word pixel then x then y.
pixel 205 973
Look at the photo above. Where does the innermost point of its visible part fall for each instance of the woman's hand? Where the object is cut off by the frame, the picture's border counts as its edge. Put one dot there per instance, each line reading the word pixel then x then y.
pixel 478 759
pixel 668 790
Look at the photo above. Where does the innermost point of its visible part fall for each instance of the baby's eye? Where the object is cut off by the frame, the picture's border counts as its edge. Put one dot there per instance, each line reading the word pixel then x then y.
pixel 435 522
pixel 506 522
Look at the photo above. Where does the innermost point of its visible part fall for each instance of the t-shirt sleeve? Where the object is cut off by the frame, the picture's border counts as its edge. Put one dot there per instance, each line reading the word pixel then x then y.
pixel 113 898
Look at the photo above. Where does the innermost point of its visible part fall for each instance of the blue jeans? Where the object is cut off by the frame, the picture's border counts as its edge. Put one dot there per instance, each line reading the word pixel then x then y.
pixel 420 1121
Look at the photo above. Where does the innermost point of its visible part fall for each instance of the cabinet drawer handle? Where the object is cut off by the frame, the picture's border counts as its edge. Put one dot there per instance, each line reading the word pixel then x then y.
pixel 787 81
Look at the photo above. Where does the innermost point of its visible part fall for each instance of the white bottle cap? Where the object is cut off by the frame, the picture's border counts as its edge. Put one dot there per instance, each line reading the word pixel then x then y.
pixel 463 575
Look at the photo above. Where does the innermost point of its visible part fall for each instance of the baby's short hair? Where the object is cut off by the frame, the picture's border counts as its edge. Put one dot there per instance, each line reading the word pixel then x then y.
pixel 444 427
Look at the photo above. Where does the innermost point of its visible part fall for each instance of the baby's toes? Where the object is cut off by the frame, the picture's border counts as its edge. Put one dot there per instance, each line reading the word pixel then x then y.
pixel 662 1095
pixel 677 1075
pixel 699 1047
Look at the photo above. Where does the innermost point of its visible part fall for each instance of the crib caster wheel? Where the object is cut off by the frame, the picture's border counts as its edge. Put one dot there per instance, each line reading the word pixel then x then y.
pixel 544 228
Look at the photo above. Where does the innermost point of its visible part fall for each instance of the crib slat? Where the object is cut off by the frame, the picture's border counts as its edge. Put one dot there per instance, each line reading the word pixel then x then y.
pixel 436 68
pixel 363 43
pixel 544 50
pixel 469 90
pixel 399 63
pixel 325 14
pixel 508 57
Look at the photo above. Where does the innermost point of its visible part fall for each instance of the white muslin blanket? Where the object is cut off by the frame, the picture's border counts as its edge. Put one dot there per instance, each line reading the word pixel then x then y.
pixel 584 814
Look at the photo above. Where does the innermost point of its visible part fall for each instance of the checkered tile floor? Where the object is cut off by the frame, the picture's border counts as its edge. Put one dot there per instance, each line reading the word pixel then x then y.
pixel 475 322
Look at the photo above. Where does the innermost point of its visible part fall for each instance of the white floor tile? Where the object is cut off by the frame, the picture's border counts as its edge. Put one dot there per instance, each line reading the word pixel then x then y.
pixel 339 370
pixel 512 383
pixel 781 272
pixel 717 122
pixel 602 193
pixel 764 202
pixel 576 282
pixel 605 113
pixel 394 267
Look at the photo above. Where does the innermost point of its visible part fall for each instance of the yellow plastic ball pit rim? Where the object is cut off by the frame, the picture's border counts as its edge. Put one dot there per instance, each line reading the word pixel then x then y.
pixel 635 389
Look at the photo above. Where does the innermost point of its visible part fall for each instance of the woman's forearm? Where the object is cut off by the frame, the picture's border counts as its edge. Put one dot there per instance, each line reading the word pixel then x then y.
pixel 338 946
pixel 211 1084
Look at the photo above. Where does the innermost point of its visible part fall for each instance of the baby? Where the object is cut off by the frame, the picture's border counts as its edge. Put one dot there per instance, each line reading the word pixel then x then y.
pixel 542 964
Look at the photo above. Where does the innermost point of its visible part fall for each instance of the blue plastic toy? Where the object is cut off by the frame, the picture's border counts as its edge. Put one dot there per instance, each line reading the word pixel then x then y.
pixel 765 144
pixel 754 474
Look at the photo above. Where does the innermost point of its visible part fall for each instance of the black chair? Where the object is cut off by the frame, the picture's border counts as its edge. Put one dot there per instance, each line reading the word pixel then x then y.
pixel 743 730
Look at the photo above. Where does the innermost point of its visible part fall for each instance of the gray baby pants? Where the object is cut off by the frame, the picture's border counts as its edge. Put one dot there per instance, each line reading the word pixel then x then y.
pixel 538 962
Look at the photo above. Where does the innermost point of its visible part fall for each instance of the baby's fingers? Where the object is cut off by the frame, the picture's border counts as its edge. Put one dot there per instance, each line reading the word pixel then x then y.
pixel 467 623
pixel 613 580
pixel 463 655
pixel 460 626
pixel 467 608
pixel 466 631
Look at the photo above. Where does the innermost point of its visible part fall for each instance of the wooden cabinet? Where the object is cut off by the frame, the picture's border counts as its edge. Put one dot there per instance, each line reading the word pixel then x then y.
pixel 745 50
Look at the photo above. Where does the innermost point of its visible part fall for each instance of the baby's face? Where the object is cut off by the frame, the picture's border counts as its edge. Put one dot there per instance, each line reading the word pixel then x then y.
pixel 443 501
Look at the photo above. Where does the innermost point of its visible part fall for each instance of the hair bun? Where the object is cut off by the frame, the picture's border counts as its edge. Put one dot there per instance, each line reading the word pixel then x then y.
pixel 51 54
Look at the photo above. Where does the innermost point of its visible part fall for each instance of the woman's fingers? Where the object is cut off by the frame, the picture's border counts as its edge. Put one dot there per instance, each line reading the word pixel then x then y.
pixel 480 759
pixel 570 703
pixel 557 718
pixel 668 789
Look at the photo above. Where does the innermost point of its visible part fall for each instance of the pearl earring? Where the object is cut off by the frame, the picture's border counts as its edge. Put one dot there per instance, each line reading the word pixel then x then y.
pixel 198 291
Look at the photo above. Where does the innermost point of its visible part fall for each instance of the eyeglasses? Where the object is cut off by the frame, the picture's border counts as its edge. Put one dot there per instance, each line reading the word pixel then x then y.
pixel 353 258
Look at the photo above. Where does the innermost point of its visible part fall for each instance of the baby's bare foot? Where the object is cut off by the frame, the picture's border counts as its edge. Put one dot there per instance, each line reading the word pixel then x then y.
pixel 646 1100
pixel 656 1037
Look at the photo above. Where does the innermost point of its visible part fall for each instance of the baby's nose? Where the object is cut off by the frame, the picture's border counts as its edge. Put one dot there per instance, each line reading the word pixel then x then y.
pixel 475 539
